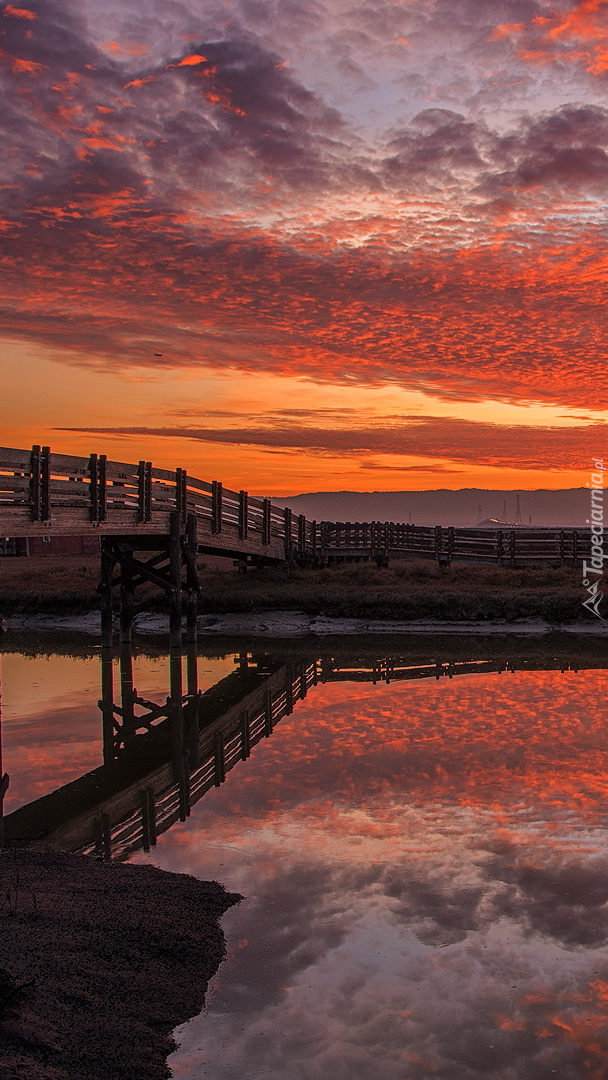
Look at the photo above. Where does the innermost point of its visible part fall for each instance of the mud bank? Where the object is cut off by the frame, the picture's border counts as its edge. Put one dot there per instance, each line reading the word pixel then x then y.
pixel 297 624
pixel 116 956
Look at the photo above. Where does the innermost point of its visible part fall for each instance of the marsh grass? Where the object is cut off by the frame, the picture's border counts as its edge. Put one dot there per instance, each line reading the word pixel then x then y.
pixel 403 590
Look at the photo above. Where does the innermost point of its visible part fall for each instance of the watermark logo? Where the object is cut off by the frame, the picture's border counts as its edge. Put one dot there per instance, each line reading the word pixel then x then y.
pixel 593 572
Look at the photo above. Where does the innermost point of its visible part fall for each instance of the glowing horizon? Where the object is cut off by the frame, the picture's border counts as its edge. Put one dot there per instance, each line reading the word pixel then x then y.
pixel 321 249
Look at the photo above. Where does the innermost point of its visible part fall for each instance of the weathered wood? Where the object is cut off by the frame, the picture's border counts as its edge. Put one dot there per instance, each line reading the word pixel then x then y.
pixel 243 515
pixel 144 493
pixel 216 507
pixel 266 521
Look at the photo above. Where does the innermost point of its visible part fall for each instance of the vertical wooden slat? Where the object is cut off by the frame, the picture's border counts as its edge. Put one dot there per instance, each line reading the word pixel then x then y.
pixel 301 534
pixel 93 488
pixel 45 483
pixel 287 529
pixel 216 506
pixel 266 521
pixel 35 484
pixel 181 494
pixel 219 761
pixel 141 492
pixel 245 736
pixel 438 541
pixel 268 722
pixel 243 515
pixel 102 505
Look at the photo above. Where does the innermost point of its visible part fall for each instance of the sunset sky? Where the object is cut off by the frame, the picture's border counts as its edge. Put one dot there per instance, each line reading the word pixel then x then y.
pixel 304 245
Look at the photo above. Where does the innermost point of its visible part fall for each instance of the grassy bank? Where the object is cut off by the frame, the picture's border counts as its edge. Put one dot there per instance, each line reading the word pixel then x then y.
pixel 404 590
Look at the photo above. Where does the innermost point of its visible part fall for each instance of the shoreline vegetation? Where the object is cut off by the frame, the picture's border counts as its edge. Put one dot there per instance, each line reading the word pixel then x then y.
pixel 99 963
pixel 404 590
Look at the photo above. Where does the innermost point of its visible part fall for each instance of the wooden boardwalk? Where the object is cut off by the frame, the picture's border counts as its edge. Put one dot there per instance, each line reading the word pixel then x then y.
pixel 47 494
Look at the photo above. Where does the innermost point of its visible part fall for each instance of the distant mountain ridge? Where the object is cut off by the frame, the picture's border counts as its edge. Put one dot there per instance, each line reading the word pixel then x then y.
pixel 462 508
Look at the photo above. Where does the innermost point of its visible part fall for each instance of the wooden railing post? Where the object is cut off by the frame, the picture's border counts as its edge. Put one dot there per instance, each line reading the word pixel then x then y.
pixel 35 483
pixel 40 483
pixel 243 515
pixel 46 483
pixel 102 507
pixel 216 507
pixel 144 506
pixel 266 510
pixel 181 495
pixel 438 541
pixel 301 535
pixel 288 537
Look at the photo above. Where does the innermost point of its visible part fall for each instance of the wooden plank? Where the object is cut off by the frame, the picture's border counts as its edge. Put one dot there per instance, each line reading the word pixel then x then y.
pixel 193 483
pixel 14 458
pixel 71 466
pixel 15 483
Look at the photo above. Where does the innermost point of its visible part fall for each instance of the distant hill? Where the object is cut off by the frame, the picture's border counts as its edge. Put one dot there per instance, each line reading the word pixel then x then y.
pixel 466 507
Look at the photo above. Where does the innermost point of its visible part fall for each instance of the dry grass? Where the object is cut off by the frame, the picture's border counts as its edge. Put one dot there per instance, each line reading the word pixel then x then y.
pixel 359 590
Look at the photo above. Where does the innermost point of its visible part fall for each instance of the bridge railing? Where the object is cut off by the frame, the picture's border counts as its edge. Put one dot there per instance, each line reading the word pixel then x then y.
pixel 42 487
pixel 42 491
pixel 507 545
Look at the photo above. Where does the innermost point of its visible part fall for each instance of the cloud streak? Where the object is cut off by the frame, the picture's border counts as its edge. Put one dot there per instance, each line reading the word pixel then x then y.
pixel 447 437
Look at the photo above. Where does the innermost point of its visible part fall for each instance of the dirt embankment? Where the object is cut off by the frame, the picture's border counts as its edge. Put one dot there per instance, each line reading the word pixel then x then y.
pixel 111 959
pixel 402 591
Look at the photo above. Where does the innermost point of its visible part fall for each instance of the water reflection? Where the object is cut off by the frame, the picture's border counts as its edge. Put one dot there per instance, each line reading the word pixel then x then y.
pixel 425 863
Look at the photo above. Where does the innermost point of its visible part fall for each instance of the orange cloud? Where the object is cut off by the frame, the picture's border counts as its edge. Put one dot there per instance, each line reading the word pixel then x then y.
pixel 19 13
pixel 191 61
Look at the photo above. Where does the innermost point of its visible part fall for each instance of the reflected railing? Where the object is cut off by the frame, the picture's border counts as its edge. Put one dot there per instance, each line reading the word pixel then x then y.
pixel 159 759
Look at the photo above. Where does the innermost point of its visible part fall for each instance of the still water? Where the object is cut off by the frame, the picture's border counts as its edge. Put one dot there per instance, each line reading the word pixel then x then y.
pixel 424 861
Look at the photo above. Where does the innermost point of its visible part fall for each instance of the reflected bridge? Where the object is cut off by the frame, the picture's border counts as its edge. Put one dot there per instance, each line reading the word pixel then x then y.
pixel 159 759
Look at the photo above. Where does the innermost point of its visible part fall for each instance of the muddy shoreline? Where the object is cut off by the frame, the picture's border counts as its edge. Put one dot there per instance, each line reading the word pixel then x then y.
pixel 116 956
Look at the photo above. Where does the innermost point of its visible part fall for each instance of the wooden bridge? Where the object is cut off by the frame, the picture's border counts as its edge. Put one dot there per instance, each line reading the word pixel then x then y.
pixel 152 524
pixel 160 759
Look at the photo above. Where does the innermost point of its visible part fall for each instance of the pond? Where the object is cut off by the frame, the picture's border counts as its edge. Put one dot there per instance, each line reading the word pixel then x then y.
pixel 421 843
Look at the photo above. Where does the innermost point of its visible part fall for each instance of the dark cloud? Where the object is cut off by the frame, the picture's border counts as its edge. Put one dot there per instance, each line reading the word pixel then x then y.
pixel 448 437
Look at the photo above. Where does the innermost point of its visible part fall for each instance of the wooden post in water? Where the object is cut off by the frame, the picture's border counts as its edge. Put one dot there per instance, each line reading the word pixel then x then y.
pixel 176 715
pixel 127 694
